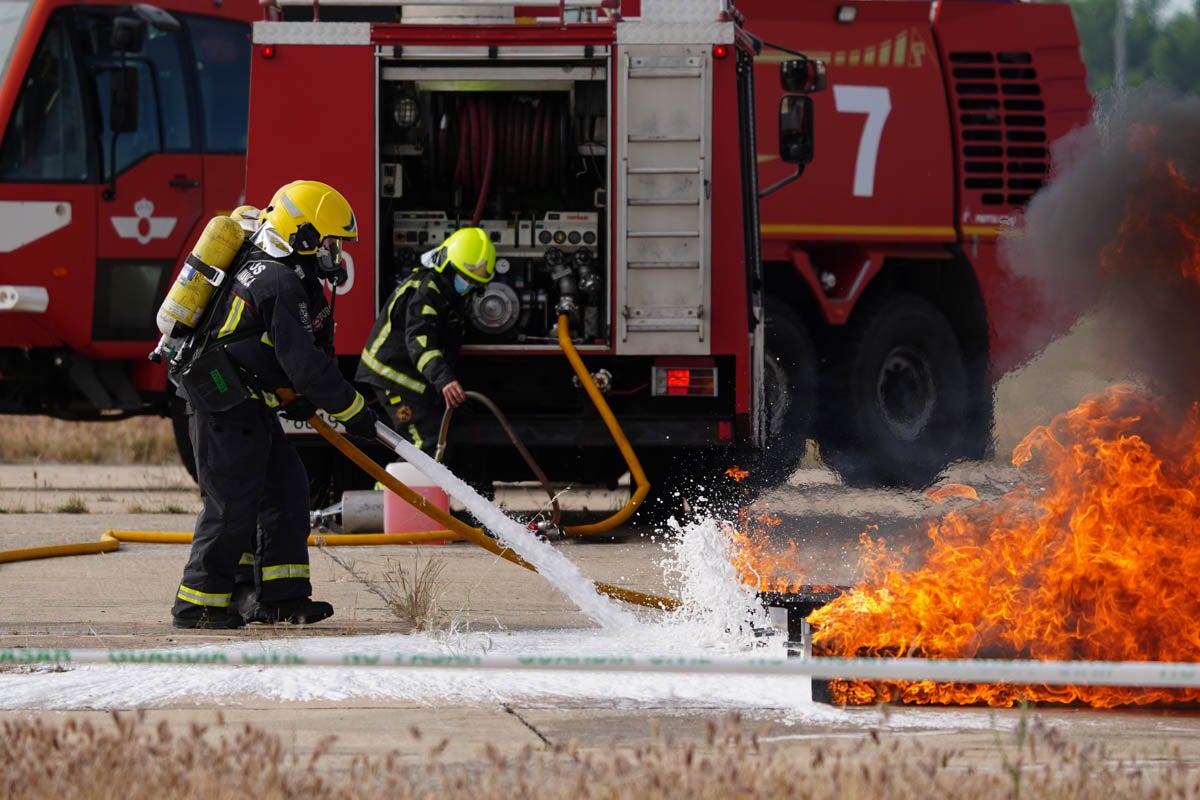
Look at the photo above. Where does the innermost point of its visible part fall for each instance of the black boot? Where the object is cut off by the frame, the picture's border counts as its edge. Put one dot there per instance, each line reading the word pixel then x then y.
pixel 297 611
pixel 243 600
pixel 210 618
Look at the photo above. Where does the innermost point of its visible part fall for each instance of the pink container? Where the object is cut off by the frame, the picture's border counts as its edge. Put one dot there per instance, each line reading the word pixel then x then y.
pixel 401 517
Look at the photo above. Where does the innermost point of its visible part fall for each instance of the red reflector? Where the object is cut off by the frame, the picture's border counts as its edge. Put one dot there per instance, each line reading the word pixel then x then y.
pixel 724 430
pixel 267 51
pixel 678 381
pixel 720 50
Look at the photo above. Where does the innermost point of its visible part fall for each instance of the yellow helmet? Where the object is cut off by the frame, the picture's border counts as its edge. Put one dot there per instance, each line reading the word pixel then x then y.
pixel 471 252
pixel 305 213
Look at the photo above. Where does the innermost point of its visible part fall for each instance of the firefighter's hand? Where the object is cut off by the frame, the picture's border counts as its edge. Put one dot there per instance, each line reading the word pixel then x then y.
pixel 454 394
pixel 362 425
pixel 300 409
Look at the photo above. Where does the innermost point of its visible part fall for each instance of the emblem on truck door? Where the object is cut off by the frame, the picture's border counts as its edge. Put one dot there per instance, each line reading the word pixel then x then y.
pixel 142 226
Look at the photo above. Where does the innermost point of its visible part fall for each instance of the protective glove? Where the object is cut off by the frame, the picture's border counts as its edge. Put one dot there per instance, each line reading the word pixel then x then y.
pixel 362 425
pixel 300 409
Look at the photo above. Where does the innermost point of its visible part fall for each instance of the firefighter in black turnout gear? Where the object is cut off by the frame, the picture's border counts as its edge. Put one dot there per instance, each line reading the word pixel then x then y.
pixel 271 328
pixel 410 353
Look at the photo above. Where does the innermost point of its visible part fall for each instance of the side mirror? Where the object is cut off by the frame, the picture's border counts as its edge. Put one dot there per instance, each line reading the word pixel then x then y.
pixel 802 75
pixel 123 102
pixel 796 129
pixel 127 35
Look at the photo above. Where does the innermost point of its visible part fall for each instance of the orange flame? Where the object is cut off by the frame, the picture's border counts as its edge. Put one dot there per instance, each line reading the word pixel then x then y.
pixel 1174 240
pixel 760 565
pixel 1098 558
pixel 737 473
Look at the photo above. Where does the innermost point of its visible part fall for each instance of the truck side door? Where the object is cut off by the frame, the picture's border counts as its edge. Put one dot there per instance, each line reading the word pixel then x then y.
pixel 148 213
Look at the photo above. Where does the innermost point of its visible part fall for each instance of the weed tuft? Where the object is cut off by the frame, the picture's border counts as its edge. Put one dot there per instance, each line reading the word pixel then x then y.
pixel 412 597
pixel 74 505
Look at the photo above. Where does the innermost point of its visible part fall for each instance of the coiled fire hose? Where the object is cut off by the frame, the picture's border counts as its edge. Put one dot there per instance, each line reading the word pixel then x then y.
pixel 515 144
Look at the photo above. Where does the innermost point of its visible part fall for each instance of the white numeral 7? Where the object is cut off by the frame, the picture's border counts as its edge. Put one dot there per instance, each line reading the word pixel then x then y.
pixel 876 103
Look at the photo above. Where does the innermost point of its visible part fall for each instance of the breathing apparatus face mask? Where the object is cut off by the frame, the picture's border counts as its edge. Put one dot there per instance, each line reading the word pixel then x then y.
pixel 330 266
pixel 462 285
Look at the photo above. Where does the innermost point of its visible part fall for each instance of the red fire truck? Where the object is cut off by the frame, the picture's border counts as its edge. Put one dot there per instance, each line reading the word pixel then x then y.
pixel 123 132
pixel 625 156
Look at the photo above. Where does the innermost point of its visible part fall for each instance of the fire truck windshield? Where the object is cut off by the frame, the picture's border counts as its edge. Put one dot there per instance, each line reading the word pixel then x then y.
pixel 12 19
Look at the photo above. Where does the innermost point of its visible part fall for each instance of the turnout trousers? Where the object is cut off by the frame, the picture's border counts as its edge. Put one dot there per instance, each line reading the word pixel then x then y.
pixel 415 416
pixel 254 491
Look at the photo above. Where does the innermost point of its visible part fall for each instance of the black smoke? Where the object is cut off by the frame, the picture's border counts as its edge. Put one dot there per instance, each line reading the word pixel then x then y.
pixel 1116 232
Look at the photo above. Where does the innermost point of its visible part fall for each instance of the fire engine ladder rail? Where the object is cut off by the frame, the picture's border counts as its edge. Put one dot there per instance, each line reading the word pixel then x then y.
pixel 664 216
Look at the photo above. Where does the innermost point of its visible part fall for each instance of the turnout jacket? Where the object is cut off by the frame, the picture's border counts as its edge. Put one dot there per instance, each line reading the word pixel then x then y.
pixel 275 323
pixel 416 336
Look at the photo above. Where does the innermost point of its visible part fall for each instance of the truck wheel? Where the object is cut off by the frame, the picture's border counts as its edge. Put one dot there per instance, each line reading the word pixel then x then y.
pixel 183 442
pixel 897 408
pixel 790 389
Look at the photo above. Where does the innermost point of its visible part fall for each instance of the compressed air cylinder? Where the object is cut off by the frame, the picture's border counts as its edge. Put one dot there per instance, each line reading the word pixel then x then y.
pixel 203 270
pixel 248 217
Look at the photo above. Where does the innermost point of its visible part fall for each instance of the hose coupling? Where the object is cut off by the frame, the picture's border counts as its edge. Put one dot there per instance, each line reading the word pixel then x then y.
pixel 546 530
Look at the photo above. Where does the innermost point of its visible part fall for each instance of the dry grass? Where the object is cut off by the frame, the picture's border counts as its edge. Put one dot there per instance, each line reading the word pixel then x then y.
pixel 140 440
pixel 412 597
pixel 130 760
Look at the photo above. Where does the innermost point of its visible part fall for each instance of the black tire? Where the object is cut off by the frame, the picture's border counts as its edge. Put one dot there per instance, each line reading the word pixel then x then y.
pixel 790 389
pixel 183 442
pixel 897 400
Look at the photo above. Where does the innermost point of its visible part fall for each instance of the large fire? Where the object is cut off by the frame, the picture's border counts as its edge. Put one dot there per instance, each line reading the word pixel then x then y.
pixel 1096 557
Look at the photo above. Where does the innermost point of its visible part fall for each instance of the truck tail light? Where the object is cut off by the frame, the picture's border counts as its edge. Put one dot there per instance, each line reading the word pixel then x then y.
pixel 683 381
pixel 720 51
pixel 267 51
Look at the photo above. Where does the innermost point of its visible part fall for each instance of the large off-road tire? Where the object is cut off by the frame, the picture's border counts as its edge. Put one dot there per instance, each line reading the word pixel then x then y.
pixel 790 389
pixel 896 402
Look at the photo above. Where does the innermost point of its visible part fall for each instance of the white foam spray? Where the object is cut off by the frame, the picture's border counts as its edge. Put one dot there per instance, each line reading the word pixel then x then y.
pixel 714 603
pixel 550 563
pixel 717 615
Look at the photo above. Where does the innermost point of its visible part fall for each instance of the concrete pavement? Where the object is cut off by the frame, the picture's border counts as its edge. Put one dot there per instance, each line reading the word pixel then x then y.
pixel 121 600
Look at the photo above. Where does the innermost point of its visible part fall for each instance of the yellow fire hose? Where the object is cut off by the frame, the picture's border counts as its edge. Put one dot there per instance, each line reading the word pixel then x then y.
pixel 635 467
pixel 111 540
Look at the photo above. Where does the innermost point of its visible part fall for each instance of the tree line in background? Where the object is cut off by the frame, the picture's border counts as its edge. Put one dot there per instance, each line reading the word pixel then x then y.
pixel 1156 46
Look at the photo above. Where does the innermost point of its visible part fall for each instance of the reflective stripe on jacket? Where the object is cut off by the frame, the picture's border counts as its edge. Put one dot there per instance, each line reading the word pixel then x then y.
pixel 416 336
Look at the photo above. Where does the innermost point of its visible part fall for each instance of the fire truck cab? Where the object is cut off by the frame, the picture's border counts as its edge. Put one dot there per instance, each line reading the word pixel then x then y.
pixel 122 130
pixel 634 164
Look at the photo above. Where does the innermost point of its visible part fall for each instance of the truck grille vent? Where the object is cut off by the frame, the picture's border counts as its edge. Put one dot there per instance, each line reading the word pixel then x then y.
pixel 1001 127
